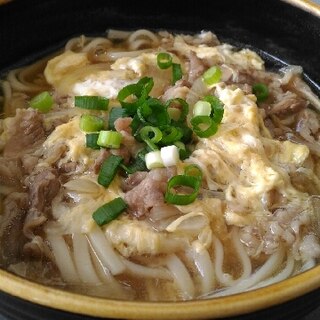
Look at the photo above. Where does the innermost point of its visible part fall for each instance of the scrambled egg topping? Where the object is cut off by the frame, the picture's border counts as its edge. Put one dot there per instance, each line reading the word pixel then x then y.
pixel 241 159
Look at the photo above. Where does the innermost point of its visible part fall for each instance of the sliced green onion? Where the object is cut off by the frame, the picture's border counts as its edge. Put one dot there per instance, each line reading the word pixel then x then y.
pixel 170 155
pixel 135 125
pixel 181 105
pixel 216 107
pixel 212 76
pixel 202 108
pixel 193 170
pixel 147 84
pixel 176 72
pixel 131 96
pixel 108 170
pixel 204 126
pixel 109 139
pixel 154 160
pixel 91 123
pixel 109 211
pixel 152 111
pixel 164 60
pixel 261 91
pixel 151 135
pixel 114 114
pixel 91 140
pixel 186 132
pixel 138 164
pixel 184 153
pixel 91 102
pixel 176 182
pixel 42 102
pixel 170 135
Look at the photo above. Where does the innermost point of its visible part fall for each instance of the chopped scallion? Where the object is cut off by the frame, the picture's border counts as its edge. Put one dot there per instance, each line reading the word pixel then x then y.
pixel 108 170
pixel 91 140
pixel 114 114
pixel 109 211
pixel 212 76
pixel 202 108
pixel 170 155
pixel 91 123
pixel 204 126
pixel 176 72
pixel 176 189
pixel 42 102
pixel 151 135
pixel 261 91
pixel 164 60
pixel 131 96
pixel 217 108
pixel 170 135
pixel 91 102
pixel 109 139
pixel 181 105
pixel 154 160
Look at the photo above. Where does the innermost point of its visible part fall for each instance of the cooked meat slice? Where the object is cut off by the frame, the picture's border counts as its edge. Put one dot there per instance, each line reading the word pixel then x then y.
pixel 34 219
pixel 179 90
pixel 29 162
pixel 103 155
pixel 133 180
pixel 149 192
pixel 288 103
pixel 196 67
pixel 10 172
pixel 26 131
pixel 68 167
pixel 11 225
pixel 308 124
pixel 43 187
pixel 123 124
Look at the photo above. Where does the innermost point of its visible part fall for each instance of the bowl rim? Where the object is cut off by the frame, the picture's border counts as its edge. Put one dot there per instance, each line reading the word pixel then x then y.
pixel 227 306
pixel 232 305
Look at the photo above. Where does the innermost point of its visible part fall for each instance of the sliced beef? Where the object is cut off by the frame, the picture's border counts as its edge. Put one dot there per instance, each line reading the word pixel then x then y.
pixel 43 187
pixel 149 192
pixel 179 90
pixel 10 172
pixel 103 155
pixel 196 67
pixel 11 224
pixel 289 103
pixel 26 131
pixel 133 180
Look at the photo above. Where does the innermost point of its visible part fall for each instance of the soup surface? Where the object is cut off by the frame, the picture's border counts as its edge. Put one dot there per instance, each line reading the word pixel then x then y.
pixel 155 166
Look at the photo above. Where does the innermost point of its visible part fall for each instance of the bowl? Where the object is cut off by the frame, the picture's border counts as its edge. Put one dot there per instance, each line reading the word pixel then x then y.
pixel 282 32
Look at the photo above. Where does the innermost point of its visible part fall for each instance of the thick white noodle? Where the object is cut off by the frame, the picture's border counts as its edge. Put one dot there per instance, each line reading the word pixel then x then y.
pixel 242 254
pixel 114 34
pixel 96 42
pixel 146 272
pixel 204 265
pixel 105 252
pixel 284 274
pixel 17 84
pixel 114 55
pixel 223 278
pixel 83 260
pixel 63 259
pixel 142 34
pixel 265 271
pixel 181 276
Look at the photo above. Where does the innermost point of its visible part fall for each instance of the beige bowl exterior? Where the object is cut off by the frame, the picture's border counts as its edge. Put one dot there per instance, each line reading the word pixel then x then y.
pixel 233 305
pixel 238 304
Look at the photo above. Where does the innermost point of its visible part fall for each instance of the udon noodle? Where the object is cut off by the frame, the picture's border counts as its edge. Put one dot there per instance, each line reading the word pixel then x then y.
pixel 253 219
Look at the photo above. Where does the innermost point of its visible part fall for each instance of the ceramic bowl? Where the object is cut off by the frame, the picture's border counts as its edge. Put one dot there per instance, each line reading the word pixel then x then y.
pixel 282 32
